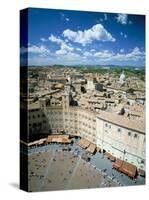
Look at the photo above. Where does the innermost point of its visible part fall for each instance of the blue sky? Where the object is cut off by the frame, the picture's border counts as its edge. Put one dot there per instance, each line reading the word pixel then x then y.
pixel 76 37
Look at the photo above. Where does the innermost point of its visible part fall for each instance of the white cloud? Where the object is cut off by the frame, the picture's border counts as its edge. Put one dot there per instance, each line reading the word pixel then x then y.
pixel 123 34
pixel 105 18
pixel 72 56
pixel 103 54
pixel 135 55
pixel 97 32
pixel 78 49
pixel 122 18
pixel 87 54
pixel 64 48
pixel 67 19
pixel 35 49
pixel 122 50
pixel 38 49
pixel 43 39
pixel 63 17
pixel 41 60
pixel 93 50
pixel 67 56
pixel 52 38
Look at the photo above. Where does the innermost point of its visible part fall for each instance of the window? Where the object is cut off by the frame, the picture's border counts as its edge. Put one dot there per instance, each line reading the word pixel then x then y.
pixel 34 125
pixel 135 135
pixel 106 125
pixel 109 126
pixel 38 115
pixel 129 133
pixel 142 161
pixel 39 124
pixel 119 130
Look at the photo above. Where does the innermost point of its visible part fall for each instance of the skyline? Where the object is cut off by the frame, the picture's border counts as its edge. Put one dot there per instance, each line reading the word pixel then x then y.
pixel 81 37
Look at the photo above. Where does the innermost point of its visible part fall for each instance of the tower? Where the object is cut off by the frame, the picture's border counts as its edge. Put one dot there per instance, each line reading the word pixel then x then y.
pixel 122 78
pixel 66 101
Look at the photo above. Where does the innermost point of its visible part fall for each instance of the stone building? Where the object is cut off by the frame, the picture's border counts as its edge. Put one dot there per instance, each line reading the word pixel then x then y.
pixel 116 134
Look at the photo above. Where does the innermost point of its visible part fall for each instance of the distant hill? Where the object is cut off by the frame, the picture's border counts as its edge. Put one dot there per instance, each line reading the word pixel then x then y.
pixel 94 66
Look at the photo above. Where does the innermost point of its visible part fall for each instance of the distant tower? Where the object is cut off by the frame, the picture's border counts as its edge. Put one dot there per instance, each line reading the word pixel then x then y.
pixel 66 101
pixel 69 79
pixel 91 83
pixel 122 78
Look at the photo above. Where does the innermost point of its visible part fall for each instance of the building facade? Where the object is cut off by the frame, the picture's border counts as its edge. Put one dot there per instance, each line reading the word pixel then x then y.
pixel 121 137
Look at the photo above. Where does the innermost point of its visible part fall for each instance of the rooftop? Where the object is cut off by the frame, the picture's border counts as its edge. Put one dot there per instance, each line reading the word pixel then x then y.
pixel 122 121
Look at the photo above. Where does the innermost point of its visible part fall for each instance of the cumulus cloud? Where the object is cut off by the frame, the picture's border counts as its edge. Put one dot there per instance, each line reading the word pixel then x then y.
pixel 87 54
pixel 66 40
pixel 78 49
pixel 136 54
pixel 122 18
pixel 52 38
pixel 35 49
pixel 64 48
pixel 106 55
pixel 43 39
pixel 69 56
pixel 97 32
